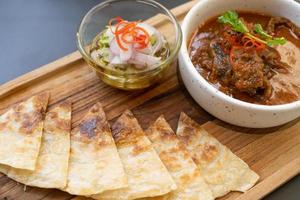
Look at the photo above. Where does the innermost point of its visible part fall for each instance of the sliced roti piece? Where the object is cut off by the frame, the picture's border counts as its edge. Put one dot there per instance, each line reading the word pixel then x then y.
pixel 21 132
pixel 94 164
pixel 223 171
pixel 4 169
pixel 52 164
pixel 174 155
pixel 147 176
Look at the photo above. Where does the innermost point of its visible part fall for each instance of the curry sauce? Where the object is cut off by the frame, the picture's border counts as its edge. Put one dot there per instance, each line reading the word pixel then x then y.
pixel 261 74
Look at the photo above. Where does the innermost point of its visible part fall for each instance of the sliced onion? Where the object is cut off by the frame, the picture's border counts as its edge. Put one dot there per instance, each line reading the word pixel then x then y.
pixel 144 59
pixel 150 29
pixel 126 55
pixel 151 50
pixel 109 34
pixel 158 44
pixel 95 54
pixel 114 47
pixel 101 52
pixel 148 50
pixel 116 61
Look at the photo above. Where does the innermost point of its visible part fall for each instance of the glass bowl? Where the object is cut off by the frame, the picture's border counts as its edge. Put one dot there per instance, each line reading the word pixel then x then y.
pixel 157 15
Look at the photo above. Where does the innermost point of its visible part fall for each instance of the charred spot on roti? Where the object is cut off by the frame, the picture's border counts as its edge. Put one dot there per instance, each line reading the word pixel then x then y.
pixel 126 128
pixel 105 137
pixel 120 132
pixel 52 115
pixel 140 147
pixel 170 159
pixel 117 129
pixel 191 125
pixel 185 179
pixel 30 122
pixel 127 132
pixel 58 119
pixel 42 101
pixel 210 150
pixel 182 148
pixel 165 134
pixel 93 128
pixel 184 138
pixel 88 127
pixel 188 130
pixel 125 136
pixel 208 154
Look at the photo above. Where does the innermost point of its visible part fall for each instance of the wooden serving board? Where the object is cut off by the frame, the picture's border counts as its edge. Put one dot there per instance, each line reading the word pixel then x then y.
pixel 273 153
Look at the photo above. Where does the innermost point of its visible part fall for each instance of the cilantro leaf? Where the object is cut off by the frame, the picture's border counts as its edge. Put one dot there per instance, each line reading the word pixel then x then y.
pixel 276 41
pixel 259 30
pixel 232 18
pixel 269 39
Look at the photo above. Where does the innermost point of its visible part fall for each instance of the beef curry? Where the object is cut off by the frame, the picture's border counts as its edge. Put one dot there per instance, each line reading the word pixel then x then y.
pixel 249 56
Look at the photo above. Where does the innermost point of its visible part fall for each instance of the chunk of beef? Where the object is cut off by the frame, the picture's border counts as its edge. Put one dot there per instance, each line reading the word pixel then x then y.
pixel 199 52
pixel 201 57
pixel 233 37
pixel 248 70
pixel 221 63
pixel 272 58
pixel 280 21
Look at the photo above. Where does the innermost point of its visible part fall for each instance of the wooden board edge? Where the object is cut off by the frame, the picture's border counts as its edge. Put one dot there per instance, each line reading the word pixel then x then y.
pixel 35 75
pixel 182 9
pixel 268 185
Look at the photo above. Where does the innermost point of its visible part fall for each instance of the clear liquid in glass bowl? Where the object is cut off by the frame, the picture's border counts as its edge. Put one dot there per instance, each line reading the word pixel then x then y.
pixel 149 11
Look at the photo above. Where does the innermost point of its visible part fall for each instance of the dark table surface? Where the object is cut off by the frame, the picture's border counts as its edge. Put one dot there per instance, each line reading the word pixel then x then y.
pixel 36 32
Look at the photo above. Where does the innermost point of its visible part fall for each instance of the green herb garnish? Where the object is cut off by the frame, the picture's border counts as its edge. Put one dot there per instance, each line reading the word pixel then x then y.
pixel 153 40
pixel 103 40
pixel 232 18
pixel 269 39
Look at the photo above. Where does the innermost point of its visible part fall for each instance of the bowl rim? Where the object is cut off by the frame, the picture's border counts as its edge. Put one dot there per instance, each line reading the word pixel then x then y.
pixel 190 66
pixel 156 69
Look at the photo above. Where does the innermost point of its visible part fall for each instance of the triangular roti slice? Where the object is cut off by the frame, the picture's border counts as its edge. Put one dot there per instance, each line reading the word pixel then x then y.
pixel 4 169
pixel 174 155
pixel 21 132
pixel 94 164
pixel 52 164
pixel 147 176
pixel 223 171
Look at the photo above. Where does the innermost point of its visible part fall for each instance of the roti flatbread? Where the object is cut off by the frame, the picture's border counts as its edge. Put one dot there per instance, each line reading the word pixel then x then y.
pixel 223 171
pixel 147 176
pixel 4 169
pixel 176 158
pixel 94 164
pixel 21 132
pixel 52 164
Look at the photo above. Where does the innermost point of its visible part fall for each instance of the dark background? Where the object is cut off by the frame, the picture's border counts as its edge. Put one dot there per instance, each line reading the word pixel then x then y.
pixel 36 32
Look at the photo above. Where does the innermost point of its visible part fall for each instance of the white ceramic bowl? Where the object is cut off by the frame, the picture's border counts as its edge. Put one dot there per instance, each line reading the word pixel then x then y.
pixel 215 102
